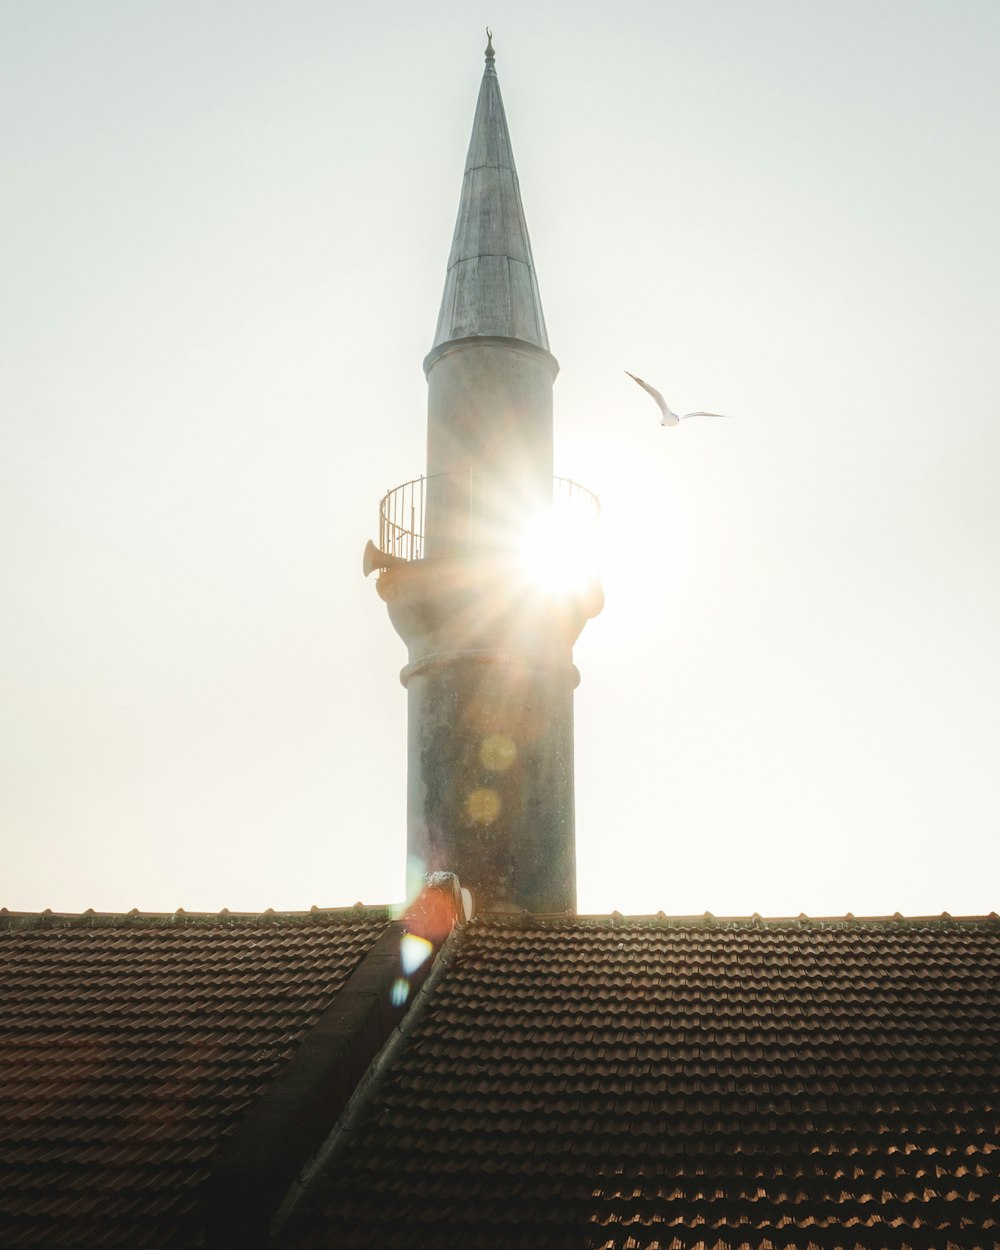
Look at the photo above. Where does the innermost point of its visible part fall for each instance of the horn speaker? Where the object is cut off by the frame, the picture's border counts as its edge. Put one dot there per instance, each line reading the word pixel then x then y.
pixel 376 558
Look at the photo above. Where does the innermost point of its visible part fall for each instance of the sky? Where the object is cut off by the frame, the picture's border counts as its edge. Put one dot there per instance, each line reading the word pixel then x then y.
pixel 224 230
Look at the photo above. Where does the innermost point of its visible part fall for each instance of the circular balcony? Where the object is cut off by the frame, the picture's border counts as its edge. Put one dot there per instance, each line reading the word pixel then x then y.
pixel 452 513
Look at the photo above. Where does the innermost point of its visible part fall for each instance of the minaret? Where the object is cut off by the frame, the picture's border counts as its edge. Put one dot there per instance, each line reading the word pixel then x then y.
pixel 490 677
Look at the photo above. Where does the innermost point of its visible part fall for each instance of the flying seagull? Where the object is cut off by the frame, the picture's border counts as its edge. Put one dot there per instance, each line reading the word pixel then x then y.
pixel 669 416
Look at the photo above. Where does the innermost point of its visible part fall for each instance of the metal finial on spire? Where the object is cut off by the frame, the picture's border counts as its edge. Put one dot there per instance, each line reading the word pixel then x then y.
pixel 490 54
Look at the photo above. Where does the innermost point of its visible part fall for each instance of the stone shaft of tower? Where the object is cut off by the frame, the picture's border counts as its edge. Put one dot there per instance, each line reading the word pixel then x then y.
pixel 490 677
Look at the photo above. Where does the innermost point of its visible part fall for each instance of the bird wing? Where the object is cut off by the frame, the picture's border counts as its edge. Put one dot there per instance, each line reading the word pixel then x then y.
pixel 685 415
pixel 664 407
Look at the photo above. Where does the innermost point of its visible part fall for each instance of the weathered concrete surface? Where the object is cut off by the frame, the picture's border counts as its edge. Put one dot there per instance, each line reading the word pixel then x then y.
pixel 490 684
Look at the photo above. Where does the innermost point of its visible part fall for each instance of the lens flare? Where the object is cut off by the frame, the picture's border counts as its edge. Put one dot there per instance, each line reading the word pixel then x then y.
pixel 413 951
pixel 482 806
pixel 497 753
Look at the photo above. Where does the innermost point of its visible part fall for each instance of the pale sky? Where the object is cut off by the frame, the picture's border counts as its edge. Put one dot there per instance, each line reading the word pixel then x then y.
pixel 224 231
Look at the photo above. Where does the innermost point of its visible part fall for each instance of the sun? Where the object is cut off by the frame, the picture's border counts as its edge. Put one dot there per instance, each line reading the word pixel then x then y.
pixel 558 548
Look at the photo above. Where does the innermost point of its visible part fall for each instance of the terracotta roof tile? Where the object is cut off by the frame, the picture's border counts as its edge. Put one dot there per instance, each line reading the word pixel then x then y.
pixel 661 1084
pixel 129 1046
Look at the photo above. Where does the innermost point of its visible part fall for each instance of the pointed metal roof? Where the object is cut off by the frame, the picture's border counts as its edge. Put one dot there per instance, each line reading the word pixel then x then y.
pixel 491 288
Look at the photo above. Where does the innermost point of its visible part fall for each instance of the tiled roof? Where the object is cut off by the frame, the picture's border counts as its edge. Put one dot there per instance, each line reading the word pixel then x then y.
pixel 659 1084
pixel 129 1046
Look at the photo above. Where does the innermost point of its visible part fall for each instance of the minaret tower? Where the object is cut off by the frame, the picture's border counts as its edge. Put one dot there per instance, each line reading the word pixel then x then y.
pixel 490 677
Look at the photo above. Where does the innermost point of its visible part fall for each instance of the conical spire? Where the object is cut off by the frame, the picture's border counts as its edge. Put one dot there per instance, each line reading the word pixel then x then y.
pixel 491 288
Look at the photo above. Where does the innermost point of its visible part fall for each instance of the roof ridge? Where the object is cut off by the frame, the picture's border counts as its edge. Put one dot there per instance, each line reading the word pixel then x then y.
pixel 300 1193
pixel 708 920
pixel 282 1129
pixel 49 919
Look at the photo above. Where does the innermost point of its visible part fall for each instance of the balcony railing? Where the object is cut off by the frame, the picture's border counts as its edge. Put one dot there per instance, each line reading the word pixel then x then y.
pixel 467 511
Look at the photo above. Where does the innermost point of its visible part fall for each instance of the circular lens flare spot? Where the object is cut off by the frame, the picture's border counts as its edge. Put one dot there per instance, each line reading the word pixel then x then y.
pixel 413 951
pixel 497 753
pixel 482 805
